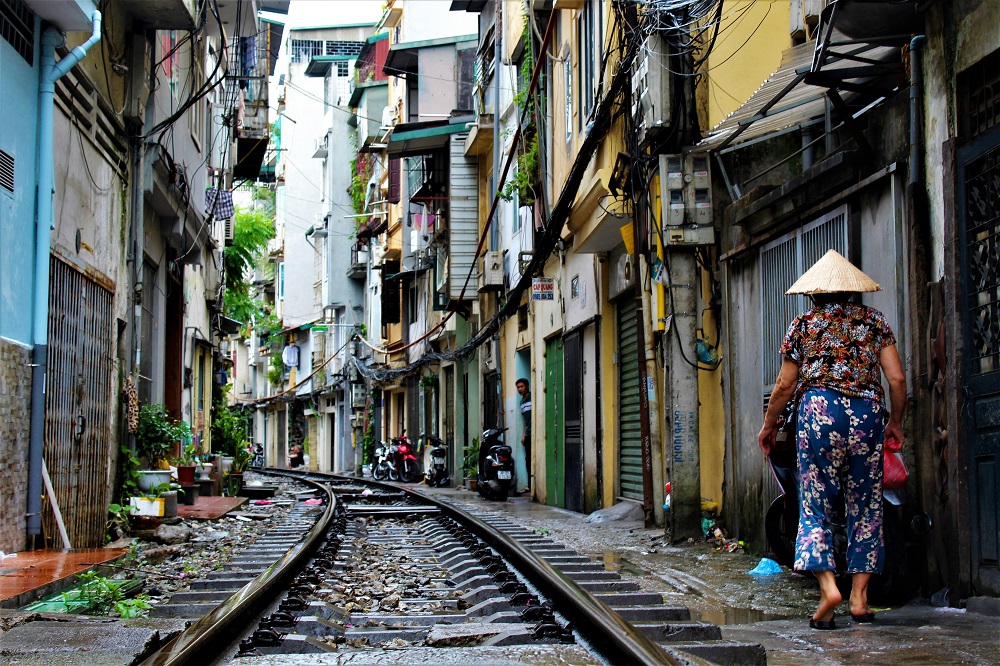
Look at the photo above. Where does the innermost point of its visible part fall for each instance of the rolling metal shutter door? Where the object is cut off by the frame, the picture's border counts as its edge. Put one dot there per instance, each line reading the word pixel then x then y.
pixel 80 445
pixel 629 431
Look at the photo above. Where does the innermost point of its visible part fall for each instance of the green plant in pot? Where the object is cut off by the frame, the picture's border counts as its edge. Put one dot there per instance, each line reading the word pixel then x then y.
pixel 187 463
pixel 241 461
pixel 470 462
pixel 155 439
pixel 228 428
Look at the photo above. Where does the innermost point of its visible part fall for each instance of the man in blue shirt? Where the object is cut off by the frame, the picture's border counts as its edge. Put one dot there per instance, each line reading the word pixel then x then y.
pixel 524 390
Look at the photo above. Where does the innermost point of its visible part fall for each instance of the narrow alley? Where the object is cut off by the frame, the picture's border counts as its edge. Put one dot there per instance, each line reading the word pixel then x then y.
pixel 699 287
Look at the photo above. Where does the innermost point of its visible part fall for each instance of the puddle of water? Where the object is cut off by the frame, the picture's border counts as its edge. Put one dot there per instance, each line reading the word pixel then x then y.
pixel 613 561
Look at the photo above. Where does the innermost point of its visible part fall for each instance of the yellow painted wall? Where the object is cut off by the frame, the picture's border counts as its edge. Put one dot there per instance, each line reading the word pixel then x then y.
pixel 609 393
pixel 759 31
pixel 711 412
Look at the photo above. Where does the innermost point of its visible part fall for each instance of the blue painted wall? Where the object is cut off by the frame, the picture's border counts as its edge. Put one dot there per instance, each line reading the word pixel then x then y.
pixel 18 137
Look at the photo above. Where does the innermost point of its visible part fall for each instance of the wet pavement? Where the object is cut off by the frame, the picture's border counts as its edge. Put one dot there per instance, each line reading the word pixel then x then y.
pixel 773 610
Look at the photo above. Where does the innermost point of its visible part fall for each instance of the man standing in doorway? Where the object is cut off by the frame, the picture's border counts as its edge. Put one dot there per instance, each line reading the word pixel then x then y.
pixel 524 390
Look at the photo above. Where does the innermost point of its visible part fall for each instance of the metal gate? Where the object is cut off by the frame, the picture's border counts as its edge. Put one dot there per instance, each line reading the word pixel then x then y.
pixel 629 429
pixel 979 220
pixel 79 402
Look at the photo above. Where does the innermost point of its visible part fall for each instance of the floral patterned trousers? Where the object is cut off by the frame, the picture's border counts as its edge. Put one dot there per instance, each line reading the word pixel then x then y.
pixel 839 450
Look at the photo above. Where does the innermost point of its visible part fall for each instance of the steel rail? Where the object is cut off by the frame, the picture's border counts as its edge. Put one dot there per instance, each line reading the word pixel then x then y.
pixel 199 643
pixel 607 632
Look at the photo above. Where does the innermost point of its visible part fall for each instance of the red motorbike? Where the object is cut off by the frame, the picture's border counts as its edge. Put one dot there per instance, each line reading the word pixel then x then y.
pixel 405 459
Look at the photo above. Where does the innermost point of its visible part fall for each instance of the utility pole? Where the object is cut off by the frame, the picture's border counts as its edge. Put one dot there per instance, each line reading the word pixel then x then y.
pixel 683 459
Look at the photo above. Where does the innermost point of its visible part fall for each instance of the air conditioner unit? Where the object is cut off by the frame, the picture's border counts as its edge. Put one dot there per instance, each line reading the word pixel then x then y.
pixel 388 117
pixel 491 272
pixel 229 229
pixel 321 147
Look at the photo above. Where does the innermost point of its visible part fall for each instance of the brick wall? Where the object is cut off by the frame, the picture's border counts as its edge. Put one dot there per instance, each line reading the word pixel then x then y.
pixel 15 405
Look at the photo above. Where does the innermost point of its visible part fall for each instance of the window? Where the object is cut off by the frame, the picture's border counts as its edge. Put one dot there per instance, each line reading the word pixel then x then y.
pixel 781 263
pixel 17 26
pixel 590 34
pixel 147 333
pixel 302 50
pixel 281 281
pixel 568 99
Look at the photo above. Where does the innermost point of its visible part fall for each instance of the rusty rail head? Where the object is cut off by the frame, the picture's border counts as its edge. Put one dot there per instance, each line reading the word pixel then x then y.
pixel 200 643
pixel 607 632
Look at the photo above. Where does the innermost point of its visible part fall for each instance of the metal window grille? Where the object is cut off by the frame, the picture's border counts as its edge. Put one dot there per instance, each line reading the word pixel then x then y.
pixel 982 224
pixel 342 48
pixel 7 171
pixel 979 97
pixel 781 263
pixel 304 49
pixel 17 27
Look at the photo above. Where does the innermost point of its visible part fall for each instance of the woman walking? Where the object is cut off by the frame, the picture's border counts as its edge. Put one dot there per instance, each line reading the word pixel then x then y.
pixel 832 355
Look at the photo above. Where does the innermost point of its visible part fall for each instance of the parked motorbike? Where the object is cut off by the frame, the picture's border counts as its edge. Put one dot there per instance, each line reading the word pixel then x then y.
pixel 496 477
pixel 781 524
pixel 436 475
pixel 407 467
pixel 382 465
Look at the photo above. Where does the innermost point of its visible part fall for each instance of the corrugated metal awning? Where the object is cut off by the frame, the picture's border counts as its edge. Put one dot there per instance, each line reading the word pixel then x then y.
pixel 426 138
pixel 786 101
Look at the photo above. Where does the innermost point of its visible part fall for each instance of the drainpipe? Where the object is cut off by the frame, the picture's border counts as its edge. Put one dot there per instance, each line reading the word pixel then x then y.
pixel 51 71
pixel 916 117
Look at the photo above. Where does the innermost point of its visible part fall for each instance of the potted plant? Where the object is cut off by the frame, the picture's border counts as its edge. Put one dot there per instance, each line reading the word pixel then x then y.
pixel 470 463
pixel 241 460
pixel 204 468
pixel 186 464
pixel 154 441
pixel 228 430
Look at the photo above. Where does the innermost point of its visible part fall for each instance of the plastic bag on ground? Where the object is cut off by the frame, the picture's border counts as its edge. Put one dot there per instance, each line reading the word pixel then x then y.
pixel 765 567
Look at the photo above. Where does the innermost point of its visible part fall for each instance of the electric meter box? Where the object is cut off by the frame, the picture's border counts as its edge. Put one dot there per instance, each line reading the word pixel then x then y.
pixel 686 196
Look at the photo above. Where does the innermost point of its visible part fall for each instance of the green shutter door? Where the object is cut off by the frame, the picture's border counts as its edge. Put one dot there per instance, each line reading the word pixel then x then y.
pixel 555 425
pixel 629 432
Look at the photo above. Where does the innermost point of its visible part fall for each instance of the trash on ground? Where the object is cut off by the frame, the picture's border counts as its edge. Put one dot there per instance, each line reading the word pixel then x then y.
pixel 765 567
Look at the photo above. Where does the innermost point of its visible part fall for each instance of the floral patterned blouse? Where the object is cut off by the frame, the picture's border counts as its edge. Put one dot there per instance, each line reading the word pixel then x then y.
pixel 837 346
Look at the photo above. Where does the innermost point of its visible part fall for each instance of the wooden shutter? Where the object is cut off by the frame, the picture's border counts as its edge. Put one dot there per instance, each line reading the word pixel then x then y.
pixel 393 180
pixel 390 293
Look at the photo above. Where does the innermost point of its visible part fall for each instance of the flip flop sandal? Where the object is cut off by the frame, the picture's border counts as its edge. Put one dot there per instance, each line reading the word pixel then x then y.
pixel 823 624
pixel 863 618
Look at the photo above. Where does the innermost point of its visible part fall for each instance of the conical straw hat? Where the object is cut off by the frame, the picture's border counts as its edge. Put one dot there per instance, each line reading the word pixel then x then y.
pixel 833 274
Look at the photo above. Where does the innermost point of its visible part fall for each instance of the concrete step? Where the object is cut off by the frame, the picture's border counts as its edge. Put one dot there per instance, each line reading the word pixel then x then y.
pixel 731 653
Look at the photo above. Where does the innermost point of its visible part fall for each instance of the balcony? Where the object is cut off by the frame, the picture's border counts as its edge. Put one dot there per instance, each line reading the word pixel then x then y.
pixel 370 100
pixel 359 262
pixel 163 14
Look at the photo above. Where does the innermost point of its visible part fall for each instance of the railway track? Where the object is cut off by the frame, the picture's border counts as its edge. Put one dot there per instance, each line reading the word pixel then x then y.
pixel 386 575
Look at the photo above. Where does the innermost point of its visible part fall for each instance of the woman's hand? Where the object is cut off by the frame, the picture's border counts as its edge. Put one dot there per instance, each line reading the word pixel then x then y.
pixel 893 432
pixel 765 438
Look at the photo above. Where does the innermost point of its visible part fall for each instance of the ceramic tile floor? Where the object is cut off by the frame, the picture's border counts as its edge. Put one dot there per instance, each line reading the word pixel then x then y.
pixel 31 570
pixel 209 508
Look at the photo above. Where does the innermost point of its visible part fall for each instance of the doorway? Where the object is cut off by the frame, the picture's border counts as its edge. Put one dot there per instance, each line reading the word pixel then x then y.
pixel 979 224
pixel 573 415
pixel 555 425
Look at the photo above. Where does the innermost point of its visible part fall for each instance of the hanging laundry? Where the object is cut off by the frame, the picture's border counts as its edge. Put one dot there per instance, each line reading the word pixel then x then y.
pixel 290 356
pixel 219 204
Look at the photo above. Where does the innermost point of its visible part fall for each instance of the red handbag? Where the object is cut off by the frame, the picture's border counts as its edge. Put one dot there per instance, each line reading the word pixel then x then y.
pixel 895 474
